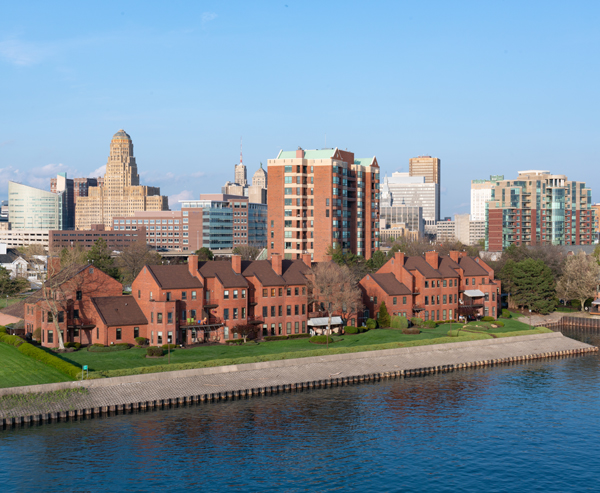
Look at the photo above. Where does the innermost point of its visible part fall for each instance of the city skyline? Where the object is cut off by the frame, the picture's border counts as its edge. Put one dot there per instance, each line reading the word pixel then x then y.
pixel 513 90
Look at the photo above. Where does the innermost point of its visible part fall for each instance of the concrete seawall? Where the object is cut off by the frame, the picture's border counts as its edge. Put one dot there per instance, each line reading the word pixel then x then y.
pixel 160 390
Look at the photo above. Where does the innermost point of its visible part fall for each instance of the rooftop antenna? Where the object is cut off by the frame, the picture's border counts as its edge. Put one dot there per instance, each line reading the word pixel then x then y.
pixel 241 143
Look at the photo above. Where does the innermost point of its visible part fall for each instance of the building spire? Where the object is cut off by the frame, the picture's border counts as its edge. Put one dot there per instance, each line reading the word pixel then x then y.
pixel 241 159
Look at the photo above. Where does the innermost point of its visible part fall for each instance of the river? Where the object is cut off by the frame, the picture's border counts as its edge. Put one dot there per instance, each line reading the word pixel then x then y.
pixel 528 427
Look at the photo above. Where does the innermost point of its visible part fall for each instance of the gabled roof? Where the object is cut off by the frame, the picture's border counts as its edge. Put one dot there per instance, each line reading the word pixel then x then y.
pixel 421 265
pixel 223 271
pixel 447 266
pixel 309 154
pixel 293 271
pixel 65 275
pixel 365 161
pixel 10 256
pixel 174 276
pixel 263 271
pixel 390 284
pixel 119 310
pixel 471 267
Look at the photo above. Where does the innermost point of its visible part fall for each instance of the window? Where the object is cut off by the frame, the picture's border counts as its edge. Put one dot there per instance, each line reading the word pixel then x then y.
pixel 243 312
pixel 395 300
pixel 170 317
pixel 97 333
pixel 159 318
pixel 375 299
pixel 243 294
pixel 288 328
pixel 61 317
pixel 265 293
pixel 467 281
pixel 273 292
pixel 265 310
pixel 159 340
pixel 445 282
pixel 297 310
pixel 304 290
pixel 79 295
pixel 272 311
pixel 136 332
pixel 139 294
pixel 118 334
pixel 235 294
pixel 444 301
pixel 304 326
pixel 288 291
pixel 75 313
pixel 427 300
pixel 404 300
pixel 193 295
pixel 279 328
pixel 487 296
pixel 226 294
pixel 444 315
pixel 303 309
pixel 280 291
pixel 184 295
pixel 150 295
pixel 50 336
pixel 426 284
pixel 50 317
pixel 151 317
pixel 473 281
pixel 296 327
pixel 225 313
pixel 289 310
pixel 281 310
pixel 168 296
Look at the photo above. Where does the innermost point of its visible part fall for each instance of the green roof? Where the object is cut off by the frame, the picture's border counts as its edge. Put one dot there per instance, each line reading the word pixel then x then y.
pixel 308 154
pixel 364 161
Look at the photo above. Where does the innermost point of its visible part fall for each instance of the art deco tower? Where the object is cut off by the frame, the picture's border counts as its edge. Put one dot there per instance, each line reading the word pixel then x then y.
pixel 121 194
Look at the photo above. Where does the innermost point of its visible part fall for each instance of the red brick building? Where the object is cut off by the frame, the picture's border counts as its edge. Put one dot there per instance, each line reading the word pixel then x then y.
pixel 432 287
pixel 320 198
pixel 115 240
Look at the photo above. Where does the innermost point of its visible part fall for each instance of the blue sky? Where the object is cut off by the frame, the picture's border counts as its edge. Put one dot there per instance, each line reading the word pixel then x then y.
pixel 488 87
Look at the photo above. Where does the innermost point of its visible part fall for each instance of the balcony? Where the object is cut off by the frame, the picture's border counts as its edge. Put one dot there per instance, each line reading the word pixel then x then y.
pixel 211 304
pixel 80 323
pixel 255 320
pixel 418 308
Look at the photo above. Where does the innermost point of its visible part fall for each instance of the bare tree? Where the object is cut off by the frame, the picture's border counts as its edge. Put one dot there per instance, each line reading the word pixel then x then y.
pixel 579 279
pixel 133 258
pixel 246 331
pixel 248 252
pixel 334 288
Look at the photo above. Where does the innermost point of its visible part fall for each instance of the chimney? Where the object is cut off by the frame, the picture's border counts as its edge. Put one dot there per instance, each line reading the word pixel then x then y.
pixel 193 265
pixel 300 153
pixel 276 263
pixel 306 259
pixel 399 259
pixel 454 255
pixel 236 263
pixel 432 258
pixel 53 266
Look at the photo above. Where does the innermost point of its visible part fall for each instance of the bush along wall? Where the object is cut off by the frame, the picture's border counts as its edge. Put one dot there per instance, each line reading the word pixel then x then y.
pixel 50 360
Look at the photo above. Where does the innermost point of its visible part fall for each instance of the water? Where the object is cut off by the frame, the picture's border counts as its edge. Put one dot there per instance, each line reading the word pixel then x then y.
pixel 530 427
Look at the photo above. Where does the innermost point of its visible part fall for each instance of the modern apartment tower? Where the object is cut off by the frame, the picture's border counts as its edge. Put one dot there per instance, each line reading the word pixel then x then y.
pixel 539 208
pixel 430 168
pixel 121 194
pixel 322 198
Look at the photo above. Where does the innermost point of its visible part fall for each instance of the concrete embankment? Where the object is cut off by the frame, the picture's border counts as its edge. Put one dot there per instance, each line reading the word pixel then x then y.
pixel 158 390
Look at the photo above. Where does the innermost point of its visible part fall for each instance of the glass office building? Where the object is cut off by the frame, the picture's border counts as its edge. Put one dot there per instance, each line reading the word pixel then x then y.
pixel 33 208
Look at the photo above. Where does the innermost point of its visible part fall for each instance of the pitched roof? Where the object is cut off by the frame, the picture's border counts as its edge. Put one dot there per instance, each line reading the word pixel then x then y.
pixel 309 154
pixel 223 271
pixel 390 284
pixel 119 310
pixel 420 264
pixel 293 271
pixel 364 161
pixel 447 266
pixel 174 276
pixel 471 267
pixel 263 271
pixel 10 256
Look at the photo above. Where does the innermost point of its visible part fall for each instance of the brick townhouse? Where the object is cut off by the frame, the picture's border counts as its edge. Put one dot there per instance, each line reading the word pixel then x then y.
pixel 432 287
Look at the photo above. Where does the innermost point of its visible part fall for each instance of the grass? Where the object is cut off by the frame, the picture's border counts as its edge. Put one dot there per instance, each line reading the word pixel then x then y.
pixel 17 369
pixel 133 361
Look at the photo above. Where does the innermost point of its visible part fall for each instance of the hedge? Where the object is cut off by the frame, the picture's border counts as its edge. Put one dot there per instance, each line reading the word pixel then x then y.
pixel 141 341
pixel 371 323
pixel 283 338
pixel 15 341
pixel 505 313
pixel 411 331
pixel 99 348
pixel 321 339
pixel 155 351
pixel 416 321
pixel 50 360
pixel 76 345
pixel 169 346
pixel 351 330
pixel 498 323
pixel 399 322
pixel 488 319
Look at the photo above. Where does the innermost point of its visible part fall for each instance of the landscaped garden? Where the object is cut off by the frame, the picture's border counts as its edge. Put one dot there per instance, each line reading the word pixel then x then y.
pixel 134 361
pixel 17 369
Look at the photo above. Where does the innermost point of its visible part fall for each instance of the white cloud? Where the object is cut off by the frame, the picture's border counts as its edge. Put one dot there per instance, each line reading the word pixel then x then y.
pixel 208 16
pixel 98 172
pixel 174 199
pixel 6 143
pixel 20 53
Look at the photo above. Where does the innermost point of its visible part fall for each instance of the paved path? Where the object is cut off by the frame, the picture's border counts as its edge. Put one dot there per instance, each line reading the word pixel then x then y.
pixel 170 385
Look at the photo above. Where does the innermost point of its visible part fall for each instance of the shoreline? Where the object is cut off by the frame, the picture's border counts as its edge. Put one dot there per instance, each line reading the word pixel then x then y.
pixel 133 393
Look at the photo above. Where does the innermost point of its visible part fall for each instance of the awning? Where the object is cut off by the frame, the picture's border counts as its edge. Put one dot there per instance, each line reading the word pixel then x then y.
pixel 474 293
pixel 324 321
pixel 596 301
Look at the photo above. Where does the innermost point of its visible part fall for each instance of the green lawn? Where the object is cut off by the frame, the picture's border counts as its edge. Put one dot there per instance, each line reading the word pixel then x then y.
pixel 134 358
pixel 16 369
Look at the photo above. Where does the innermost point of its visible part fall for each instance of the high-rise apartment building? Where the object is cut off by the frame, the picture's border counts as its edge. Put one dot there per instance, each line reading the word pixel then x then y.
pixel 596 209
pixel 430 168
pixel 322 198
pixel 32 208
pixel 462 229
pixel 121 194
pixel 481 192
pixel 539 208
pixel 413 191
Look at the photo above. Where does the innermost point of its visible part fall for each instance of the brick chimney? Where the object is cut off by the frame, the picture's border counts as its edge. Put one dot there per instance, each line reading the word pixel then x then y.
pixel 432 258
pixel 193 265
pixel 53 266
pixel 276 263
pixel 236 263
pixel 300 153
pixel 454 255
pixel 306 259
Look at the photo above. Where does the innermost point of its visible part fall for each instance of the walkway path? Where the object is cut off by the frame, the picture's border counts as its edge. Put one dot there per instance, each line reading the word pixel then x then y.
pixel 179 384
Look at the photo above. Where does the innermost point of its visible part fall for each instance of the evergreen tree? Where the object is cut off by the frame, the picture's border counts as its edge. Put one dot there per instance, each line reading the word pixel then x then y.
pixel 99 256
pixel 377 260
pixel 204 254
pixel 533 286
pixel 384 316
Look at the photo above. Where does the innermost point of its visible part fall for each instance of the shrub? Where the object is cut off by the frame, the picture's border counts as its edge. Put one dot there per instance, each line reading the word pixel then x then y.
pixel 37 334
pixel 299 336
pixel 384 316
pixel 430 324
pixel 321 340
pixel 351 330
pixel 399 322
pixel 2 329
pixel 141 341
pixel 50 360
pixel 411 331
pixel 416 321
pixel 107 349
pixel 155 351
pixel 172 346
pixel 371 323
pixel 488 319
pixel 15 341
pixel 498 323
pixel 505 313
